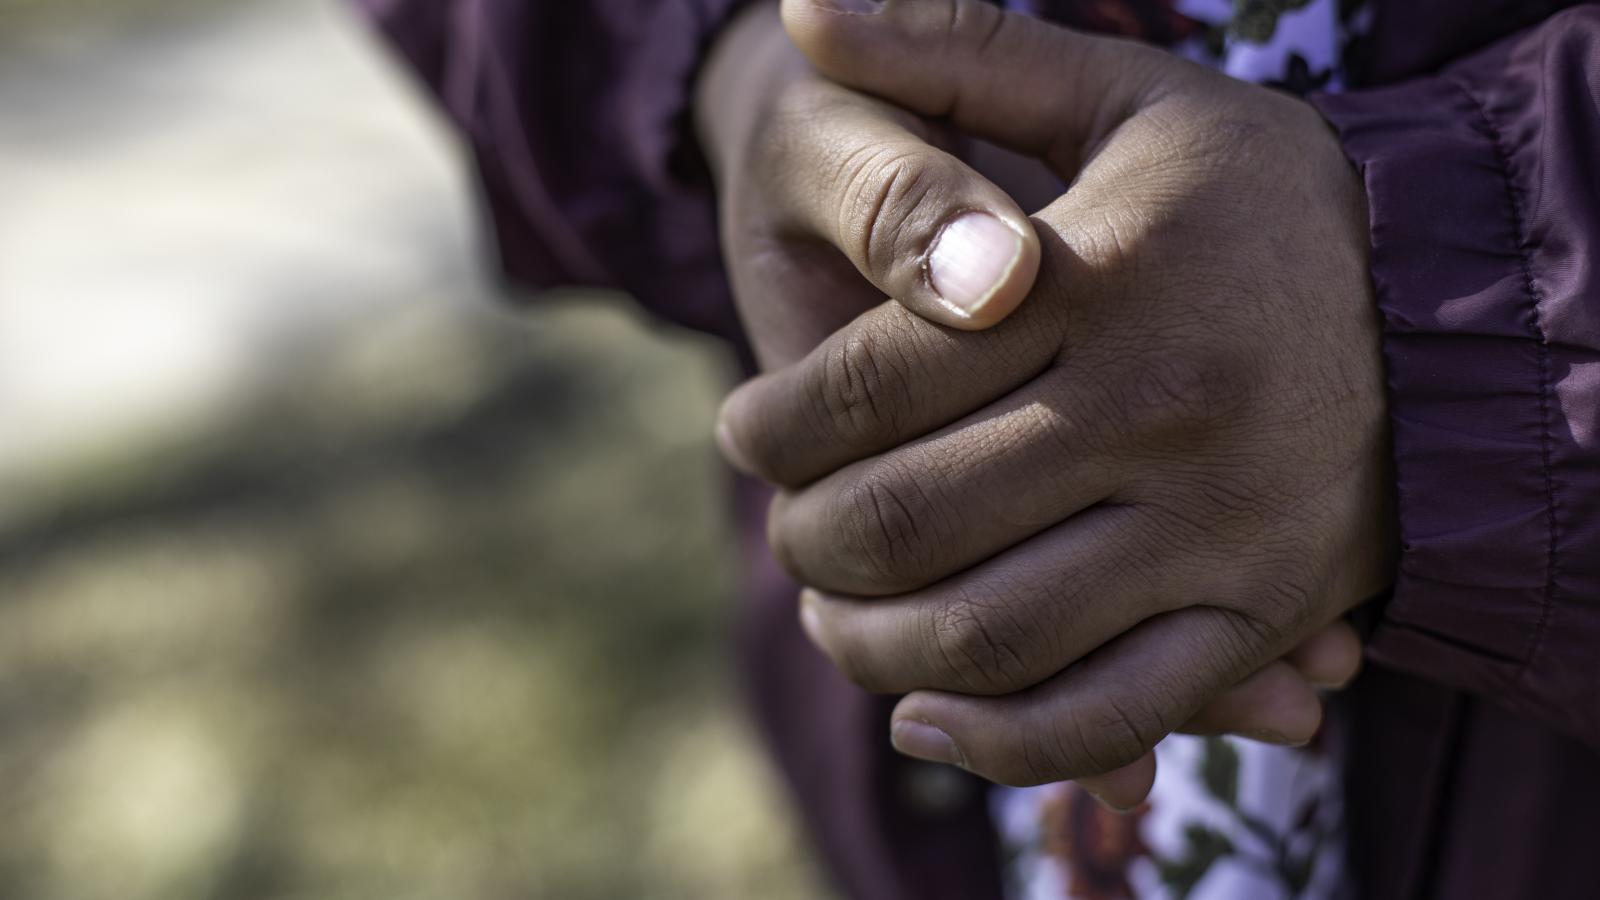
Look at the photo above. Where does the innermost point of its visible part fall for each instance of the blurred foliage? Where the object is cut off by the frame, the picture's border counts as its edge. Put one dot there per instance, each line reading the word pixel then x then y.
pixel 442 614
pixel 421 598
pixel 17 13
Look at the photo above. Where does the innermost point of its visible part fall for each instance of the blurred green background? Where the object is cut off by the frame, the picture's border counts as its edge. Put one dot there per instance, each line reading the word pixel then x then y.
pixel 324 571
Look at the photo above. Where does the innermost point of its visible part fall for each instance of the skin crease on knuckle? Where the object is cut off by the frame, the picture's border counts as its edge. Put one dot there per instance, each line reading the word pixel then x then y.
pixel 885 526
pixel 1094 738
pixel 866 386
pixel 980 644
pixel 1121 729
pixel 884 193
pixel 813 141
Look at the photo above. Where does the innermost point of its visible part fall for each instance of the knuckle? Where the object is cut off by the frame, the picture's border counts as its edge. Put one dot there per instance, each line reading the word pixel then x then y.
pixel 885 189
pixel 1031 760
pixel 1109 734
pixel 884 520
pixel 1099 736
pixel 863 387
pixel 980 645
pixel 1096 739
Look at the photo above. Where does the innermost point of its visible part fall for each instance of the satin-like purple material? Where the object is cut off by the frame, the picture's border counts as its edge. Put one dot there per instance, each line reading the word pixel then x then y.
pixel 1475 754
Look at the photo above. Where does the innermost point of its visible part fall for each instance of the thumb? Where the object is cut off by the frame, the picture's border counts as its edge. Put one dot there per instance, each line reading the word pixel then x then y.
pixel 917 222
pixel 1028 85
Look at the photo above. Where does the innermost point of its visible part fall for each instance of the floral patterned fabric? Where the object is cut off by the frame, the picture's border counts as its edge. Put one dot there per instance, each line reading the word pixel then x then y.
pixel 1229 819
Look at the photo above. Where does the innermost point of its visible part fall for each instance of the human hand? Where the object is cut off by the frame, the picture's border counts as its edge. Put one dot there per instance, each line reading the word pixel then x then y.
pixel 1159 474
pixel 798 159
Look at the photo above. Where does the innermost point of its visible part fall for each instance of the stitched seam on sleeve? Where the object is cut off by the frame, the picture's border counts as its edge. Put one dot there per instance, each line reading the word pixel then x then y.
pixel 1536 330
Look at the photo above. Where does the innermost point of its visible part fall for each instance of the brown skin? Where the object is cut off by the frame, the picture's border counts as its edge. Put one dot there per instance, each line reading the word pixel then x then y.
pixel 795 155
pixel 1110 514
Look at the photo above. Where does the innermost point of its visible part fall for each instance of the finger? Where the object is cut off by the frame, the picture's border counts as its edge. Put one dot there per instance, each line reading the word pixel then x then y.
pixel 1029 85
pixel 1279 704
pixel 907 518
pixel 1275 705
pixel 917 222
pixel 1125 788
pixel 1008 624
pixel 887 378
pixel 1095 717
pixel 1331 658
pixel 939 504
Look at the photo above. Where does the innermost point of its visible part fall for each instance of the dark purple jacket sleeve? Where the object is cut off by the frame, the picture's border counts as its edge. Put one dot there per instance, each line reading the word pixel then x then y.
pixel 1484 182
pixel 578 114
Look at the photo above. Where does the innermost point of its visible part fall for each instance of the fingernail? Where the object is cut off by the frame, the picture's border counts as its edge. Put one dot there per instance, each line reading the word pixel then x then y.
pixel 730 449
pixel 1100 799
pixel 970 258
pixel 924 741
pixel 1270 736
pixel 810 622
pixel 857 7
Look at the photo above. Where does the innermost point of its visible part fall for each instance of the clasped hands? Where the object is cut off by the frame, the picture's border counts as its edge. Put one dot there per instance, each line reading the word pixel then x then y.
pixel 1090 476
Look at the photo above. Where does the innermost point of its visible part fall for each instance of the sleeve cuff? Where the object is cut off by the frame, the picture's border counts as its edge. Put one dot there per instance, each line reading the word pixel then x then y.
pixel 1468 380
